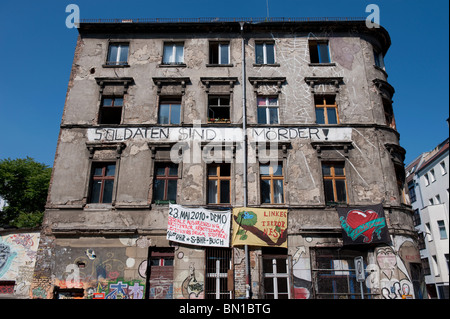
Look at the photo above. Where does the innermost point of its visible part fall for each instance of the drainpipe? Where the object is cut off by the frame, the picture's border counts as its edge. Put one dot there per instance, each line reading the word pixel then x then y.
pixel 248 291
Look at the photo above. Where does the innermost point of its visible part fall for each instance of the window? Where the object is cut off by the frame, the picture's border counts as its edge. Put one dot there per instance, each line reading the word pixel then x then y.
pixel 433 177
pixel 219 109
pixel 117 54
pixel 173 53
pixel 111 110
pixel 442 230
pixel 219 178
pixel 102 182
pixel 169 111
pixel 431 201
pixel 219 53
pixel 161 273
pixel 443 168
pixel 412 192
pixel 319 52
pixel 438 199
pixel 389 114
pixel 428 232
pixel 427 179
pixel 218 263
pixel 426 267
pixel 417 220
pixel 378 57
pixel 272 184
pixel 326 109
pixel 267 110
pixel 334 181
pixel 276 273
pixel 165 186
pixel 265 53
pixel 334 274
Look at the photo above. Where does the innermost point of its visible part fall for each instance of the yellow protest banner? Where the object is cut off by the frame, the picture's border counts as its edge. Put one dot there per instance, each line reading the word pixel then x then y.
pixel 260 227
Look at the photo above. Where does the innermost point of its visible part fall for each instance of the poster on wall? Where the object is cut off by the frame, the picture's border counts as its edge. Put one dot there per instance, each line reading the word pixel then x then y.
pixel 363 225
pixel 260 227
pixel 198 226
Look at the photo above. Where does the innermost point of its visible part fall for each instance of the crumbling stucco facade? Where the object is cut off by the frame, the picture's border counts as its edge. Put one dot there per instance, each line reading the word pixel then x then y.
pixel 91 249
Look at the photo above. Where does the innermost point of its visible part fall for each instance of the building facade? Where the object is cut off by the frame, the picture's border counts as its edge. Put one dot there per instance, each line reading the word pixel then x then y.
pixel 428 187
pixel 287 119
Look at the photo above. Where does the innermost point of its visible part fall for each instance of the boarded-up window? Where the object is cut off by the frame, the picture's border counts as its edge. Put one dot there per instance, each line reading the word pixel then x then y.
pixel 161 273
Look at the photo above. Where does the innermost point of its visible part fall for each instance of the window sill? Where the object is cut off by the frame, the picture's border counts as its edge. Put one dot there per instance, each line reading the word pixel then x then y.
pixel 219 65
pixel 116 65
pixel 266 64
pixel 173 65
pixel 322 64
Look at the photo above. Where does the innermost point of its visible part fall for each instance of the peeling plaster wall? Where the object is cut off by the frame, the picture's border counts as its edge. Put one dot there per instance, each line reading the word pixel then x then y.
pixel 133 215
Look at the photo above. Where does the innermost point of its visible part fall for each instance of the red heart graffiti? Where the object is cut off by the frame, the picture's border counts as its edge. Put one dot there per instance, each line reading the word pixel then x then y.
pixel 356 218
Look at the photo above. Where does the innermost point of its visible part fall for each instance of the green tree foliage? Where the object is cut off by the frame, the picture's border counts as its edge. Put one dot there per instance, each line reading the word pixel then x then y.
pixel 24 186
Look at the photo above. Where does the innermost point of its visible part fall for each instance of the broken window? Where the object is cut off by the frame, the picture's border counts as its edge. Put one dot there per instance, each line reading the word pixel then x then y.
pixel 272 181
pixel 219 179
pixel 268 110
pixel 117 54
pixel 276 273
pixel 173 53
pixel 165 185
pixel 219 109
pixel 326 109
pixel 218 265
pixel 219 53
pixel 319 51
pixel 102 182
pixel 334 183
pixel 265 52
pixel 111 110
pixel 169 111
pixel 389 114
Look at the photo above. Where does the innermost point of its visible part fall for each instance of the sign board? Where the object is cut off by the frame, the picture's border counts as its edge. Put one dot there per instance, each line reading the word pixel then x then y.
pixel 198 226
pixel 260 227
pixel 359 268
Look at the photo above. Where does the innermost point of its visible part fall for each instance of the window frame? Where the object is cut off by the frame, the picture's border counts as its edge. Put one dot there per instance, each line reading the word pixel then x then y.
pixel 271 178
pixel 111 107
pixel 275 275
pixel 117 61
pixel 174 55
pixel 267 107
pixel 333 177
pixel 214 259
pixel 169 101
pixel 314 44
pixel 325 108
pixel 264 50
pixel 219 97
pixel 212 46
pixel 102 178
pixel 165 178
pixel 442 229
pixel 218 177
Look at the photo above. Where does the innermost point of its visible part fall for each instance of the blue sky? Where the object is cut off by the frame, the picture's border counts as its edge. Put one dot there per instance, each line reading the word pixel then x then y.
pixel 36 50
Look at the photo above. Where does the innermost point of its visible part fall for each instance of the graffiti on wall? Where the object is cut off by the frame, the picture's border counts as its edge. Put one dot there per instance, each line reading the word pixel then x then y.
pixel 17 260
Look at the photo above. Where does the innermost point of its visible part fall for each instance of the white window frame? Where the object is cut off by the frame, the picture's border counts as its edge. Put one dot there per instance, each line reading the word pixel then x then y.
pixel 274 275
pixel 219 53
pixel 264 44
pixel 119 53
pixel 267 106
pixel 173 56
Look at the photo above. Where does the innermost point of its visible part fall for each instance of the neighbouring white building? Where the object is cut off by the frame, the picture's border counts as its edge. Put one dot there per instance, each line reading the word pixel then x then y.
pixel 428 184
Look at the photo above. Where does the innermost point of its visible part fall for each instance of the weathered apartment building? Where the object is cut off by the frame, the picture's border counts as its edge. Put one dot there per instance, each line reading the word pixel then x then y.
pixel 228 158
